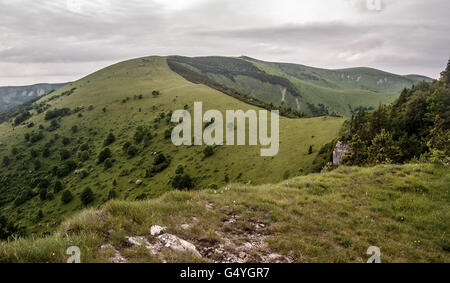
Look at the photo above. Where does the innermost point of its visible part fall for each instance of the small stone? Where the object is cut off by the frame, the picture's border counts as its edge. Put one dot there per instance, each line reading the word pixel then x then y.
pixel 242 255
pixel 139 182
pixel 185 226
pixel 156 230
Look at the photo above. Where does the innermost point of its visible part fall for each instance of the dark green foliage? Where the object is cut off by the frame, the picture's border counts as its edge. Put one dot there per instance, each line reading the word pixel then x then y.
pixel 37 164
pixel 142 134
pixel 8 229
pixel 66 197
pixel 43 193
pixel 50 196
pixel 320 110
pixel 182 182
pixel 180 170
pixel 87 196
pixel 84 156
pixel 40 215
pixel 56 113
pixel 109 139
pixel 23 197
pixel 160 163
pixel 27 137
pixel 58 187
pixel 108 163
pixel 125 146
pixel 64 154
pixel 112 194
pixel 74 129
pixel 142 196
pixel 66 141
pixel 132 151
pixel 46 151
pixel 208 151
pixel 33 153
pixel 44 183
pixel 22 118
pixel 6 160
pixel 84 147
pixel 104 154
pixel 310 150
pixel 53 126
pixel 36 137
pixel 168 134
pixel 405 130
pixel 67 167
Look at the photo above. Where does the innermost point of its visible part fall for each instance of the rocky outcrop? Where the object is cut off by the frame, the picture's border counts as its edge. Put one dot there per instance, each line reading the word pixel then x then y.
pixel 156 230
pixel 339 151
pixel 166 240
pixel 177 244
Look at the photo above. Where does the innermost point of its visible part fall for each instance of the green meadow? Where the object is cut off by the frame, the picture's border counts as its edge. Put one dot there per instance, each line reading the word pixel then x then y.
pixel 118 100
pixel 328 217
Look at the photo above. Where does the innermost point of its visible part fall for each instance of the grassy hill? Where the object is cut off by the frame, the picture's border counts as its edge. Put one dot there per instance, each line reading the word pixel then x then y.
pixel 11 96
pixel 331 217
pixel 60 138
pixel 306 90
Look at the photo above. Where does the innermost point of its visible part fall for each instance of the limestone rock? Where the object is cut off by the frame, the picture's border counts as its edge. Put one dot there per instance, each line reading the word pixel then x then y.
pixel 156 230
pixel 339 151
pixel 177 244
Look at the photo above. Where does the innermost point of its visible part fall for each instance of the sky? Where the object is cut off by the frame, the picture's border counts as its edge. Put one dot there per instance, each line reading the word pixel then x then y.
pixel 64 40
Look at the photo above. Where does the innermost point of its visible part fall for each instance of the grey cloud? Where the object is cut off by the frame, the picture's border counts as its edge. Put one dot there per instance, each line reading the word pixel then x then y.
pixel 42 40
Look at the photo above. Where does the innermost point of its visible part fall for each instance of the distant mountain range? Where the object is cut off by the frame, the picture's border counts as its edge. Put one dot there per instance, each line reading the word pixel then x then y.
pixel 11 96
pixel 307 90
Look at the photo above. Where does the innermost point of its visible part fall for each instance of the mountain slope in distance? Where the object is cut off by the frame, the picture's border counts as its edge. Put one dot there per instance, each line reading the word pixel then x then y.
pixel 11 96
pixel 305 91
pixel 66 133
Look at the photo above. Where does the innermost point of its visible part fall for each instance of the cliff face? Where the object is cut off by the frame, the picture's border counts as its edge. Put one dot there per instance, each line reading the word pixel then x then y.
pixel 15 95
pixel 339 151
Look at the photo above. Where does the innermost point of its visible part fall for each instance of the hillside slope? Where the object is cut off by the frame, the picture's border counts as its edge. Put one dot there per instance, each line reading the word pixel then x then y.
pixel 329 217
pixel 11 96
pixel 53 149
pixel 303 90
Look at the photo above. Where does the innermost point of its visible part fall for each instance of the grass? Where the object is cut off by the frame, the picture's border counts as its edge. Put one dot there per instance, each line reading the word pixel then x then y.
pixel 328 217
pixel 107 89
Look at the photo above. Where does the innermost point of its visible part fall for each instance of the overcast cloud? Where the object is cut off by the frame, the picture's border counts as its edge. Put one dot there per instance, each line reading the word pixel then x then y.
pixel 63 40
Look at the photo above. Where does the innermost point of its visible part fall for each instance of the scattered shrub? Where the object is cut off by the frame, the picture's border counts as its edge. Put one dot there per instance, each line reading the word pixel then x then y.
pixel 108 163
pixel 43 194
pixel 65 154
pixel 57 187
pixel 182 182
pixel 104 154
pixel 56 113
pixel 65 141
pixel 66 197
pixel 87 196
pixel 208 151
pixel 132 151
pixel 109 139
